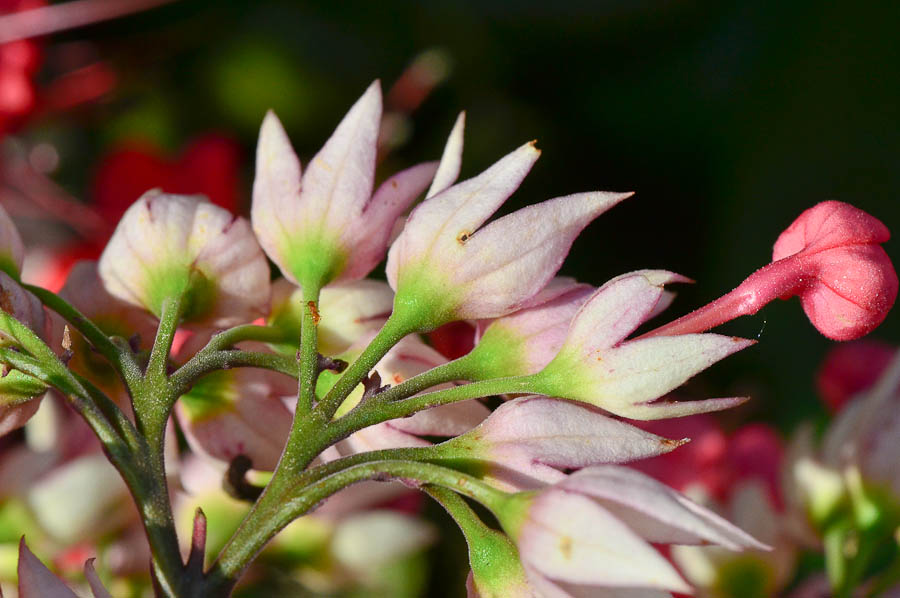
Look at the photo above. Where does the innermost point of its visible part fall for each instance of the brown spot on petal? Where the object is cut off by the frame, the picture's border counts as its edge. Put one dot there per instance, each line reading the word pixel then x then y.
pixel 397 378
pixel 464 236
pixel 313 312
pixel 394 184
pixel 565 547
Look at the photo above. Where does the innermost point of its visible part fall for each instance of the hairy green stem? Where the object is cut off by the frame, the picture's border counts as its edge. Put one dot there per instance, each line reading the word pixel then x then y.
pixel 205 362
pixel 458 369
pixel 249 540
pixel 390 334
pixel 123 361
pixel 308 356
pixel 378 410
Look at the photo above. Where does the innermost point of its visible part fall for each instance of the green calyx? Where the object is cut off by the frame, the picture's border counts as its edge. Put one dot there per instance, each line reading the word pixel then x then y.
pixel 314 260
pixel 498 354
pixel 565 377
pixel 426 297
pixel 496 568
pixel 513 511
pixel 198 291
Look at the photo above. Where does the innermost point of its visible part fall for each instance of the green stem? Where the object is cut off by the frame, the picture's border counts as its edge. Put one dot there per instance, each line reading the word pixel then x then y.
pixel 458 369
pixel 308 356
pixel 204 362
pixel 377 410
pixel 250 539
pixel 390 334
pixel 122 360
pixel 246 332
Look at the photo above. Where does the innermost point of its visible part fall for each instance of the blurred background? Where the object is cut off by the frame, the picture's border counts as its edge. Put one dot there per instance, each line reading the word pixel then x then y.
pixel 726 118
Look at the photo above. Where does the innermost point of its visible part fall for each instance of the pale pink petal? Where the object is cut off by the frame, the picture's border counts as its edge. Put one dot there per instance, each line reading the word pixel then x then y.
pixel 451 159
pixel 570 537
pixel 655 511
pixel 15 411
pixel 532 431
pixel 545 588
pixel 36 580
pixel 539 332
pixel 21 305
pixel 625 379
pixel 375 538
pixel 81 500
pixel 275 190
pixel 94 580
pixel 338 181
pixel 368 235
pixel 238 412
pixel 617 309
pixel 446 420
pixel 432 231
pixel 512 258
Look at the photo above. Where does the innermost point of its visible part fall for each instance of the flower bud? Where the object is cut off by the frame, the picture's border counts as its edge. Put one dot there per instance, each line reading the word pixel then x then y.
pixel 178 246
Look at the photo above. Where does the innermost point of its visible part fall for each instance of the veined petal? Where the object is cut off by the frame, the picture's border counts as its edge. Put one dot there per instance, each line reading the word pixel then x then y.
pixel 525 341
pixel 276 188
pixel 570 537
pixel 617 309
pixel 36 580
pixel 434 227
pixel 655 511
pixel 367 237
pixel 532 431
pixel 499 275
pixel 339 179
pixel 451 159
pixel 624 379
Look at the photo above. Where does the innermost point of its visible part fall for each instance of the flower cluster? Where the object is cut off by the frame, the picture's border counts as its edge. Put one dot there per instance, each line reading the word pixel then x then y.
pixel 293 391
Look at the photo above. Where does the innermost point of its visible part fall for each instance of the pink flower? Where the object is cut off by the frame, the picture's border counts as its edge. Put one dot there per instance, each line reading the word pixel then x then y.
pixel 447 265
pixel 328 225
pixel 595 528
pixel 531 441
pixel 169 246
pixel 831 258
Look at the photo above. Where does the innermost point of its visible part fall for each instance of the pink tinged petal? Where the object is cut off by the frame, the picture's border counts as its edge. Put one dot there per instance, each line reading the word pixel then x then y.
pixel 499 275
pixel 434 228
pixel 81 500
pixel 339 179
pixel 36 580
pixel 539 332
pixel 12 250
pixel 544 588
pixel 625 379
pixel 15 413
pixel 275 190
pixel 94 580
pixel 561 434
pixel 617 309
pixel 368 236
pixel 451 159
pixel 655 511
pixel 238 413
pixel 569 537
pixel 446 420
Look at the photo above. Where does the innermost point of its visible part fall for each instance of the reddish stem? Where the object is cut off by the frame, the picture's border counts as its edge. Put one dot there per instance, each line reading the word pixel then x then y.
pixel 781 279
